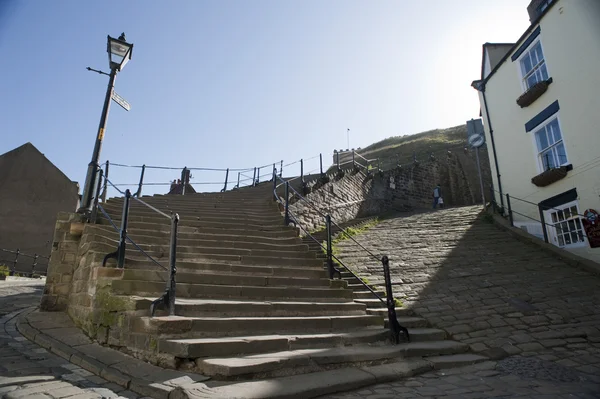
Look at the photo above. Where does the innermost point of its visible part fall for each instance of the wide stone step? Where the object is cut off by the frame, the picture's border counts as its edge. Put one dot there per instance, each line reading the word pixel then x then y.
pixel 192 234
pixel 373 303
pixel 238 231
pixel 405 321
pixel 457 360
pixel 206 212
pixel 231 308
pixel 221 268
pixel 147 242
pixel 216 278
pixel 424 334
pixel 204 327
pixel 306 360
pixel 184 290
pixel 366 294
pixel 202 224
pixel 229 346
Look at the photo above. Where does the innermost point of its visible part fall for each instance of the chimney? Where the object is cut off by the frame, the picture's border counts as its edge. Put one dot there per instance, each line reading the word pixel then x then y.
pixel 536 8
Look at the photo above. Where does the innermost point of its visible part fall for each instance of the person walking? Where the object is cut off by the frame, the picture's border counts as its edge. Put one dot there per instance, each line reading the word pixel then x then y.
pixel 437 194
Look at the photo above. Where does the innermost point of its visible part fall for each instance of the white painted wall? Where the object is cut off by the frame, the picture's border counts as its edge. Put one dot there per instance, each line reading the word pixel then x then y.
pixel 570 36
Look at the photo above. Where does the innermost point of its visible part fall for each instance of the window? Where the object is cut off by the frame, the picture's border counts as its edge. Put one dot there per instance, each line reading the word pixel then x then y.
pixel 543 6
pixel 533 66
pixel 550 146
pixel 568 229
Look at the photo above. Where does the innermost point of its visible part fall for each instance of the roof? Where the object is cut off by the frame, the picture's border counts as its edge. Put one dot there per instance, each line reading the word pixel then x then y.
pixel 480 84
pixel 28 147
pixel 495 51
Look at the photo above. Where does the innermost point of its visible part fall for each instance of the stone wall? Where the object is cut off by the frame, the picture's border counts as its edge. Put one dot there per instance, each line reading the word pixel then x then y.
pixel 355 194
pixel 61 266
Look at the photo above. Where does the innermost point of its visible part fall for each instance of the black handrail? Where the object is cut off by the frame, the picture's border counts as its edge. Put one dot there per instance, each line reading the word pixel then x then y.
pixel 168 297
pixel 289 217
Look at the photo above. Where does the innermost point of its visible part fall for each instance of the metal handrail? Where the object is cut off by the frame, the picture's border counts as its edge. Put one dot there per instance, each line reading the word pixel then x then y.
pixel 395 328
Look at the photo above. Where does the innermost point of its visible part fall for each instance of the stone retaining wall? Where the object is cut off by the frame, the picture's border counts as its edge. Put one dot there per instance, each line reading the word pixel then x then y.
pixel 355 194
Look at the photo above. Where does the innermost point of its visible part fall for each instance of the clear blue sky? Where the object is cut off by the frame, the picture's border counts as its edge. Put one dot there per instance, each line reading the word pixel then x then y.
pixel 239 83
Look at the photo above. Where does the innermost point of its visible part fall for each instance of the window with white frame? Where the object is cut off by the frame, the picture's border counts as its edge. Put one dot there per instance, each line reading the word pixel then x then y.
pixel 550 146
pixel 568 229
pixel 533 66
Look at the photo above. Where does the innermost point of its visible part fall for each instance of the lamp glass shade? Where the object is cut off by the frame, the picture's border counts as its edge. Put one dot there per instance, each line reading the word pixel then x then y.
pixel 119 52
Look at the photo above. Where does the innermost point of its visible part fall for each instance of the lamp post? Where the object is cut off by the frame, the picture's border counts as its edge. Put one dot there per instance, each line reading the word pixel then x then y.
pixel 119 53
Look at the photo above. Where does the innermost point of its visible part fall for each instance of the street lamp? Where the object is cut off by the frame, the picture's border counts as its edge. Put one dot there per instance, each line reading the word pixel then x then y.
pixel 119 53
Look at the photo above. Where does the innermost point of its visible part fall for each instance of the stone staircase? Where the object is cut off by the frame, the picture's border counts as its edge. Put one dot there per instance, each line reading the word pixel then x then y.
pixel 253 300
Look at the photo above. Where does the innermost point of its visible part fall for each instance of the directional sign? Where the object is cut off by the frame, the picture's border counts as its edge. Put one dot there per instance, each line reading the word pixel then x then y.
pixel 121 101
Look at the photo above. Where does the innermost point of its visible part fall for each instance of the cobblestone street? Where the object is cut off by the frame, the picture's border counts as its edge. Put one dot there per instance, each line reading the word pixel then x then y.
pixel 28 371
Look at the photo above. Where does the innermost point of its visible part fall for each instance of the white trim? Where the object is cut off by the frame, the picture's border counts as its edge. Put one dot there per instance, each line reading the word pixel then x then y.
pixel 536 150
pixel 552 233
pixel 523 54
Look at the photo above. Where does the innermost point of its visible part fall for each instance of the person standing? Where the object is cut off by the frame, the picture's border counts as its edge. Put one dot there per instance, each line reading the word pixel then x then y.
pixel 437 194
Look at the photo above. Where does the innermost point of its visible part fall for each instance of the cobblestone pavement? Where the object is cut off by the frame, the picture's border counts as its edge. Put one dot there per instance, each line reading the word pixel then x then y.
pixel 501 296
pixel 534 380
pixel 28 371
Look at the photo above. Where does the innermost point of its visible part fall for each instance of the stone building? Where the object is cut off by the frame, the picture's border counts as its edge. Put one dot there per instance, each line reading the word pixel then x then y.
pixel 32 192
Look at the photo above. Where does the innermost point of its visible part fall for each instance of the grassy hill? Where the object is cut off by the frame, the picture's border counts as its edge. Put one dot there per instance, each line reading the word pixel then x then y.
pixel 401 149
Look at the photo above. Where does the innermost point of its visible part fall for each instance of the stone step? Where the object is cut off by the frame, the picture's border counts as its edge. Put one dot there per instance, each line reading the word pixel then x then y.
pixel 216 278
pixel 457 360
pixel 162 251
pixel 189 233
pixel 366 294
pixel 305 360
pixel 207 267
pixel 230 346
pixel 239 231
pixel 405 321
pixel 231 308
pixel 203 224
pixel 196 211
pixel 373 303
pixel 205 327
pixel 148 241
pixel 184 290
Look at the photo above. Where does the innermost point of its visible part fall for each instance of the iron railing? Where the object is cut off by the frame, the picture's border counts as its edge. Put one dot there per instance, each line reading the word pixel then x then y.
pixel 290 218
pixel 510 212
pixel 168 298
pixel 15 261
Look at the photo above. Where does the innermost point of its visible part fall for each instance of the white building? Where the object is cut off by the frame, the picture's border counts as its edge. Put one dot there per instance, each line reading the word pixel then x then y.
pixel 540 102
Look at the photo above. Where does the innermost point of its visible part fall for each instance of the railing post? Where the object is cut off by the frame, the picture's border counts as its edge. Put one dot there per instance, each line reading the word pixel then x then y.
pixel 302 170
pixel 254 178
pixel 139 190
pixel 94 215
pixel 172 265
pixel 123 232
pixel 353 162
pixel 330 267
pixel 286 219
pixel 510 214
pixel 274 183
pixel 395 327
pixel 238 183
pixel 226 178
pixel 105 183
pixel 321 163
pixel 12 272
pixel 543 220
pixel 35 258
pixel 492 199
pixel 337 160
pixel 280 168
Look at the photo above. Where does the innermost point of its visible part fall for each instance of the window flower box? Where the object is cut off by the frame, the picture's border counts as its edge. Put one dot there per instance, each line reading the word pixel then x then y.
pixel 551 175
pixel 533 93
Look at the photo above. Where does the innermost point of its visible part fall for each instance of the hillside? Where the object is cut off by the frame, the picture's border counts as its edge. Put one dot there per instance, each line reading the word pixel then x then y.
pixel 401 149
